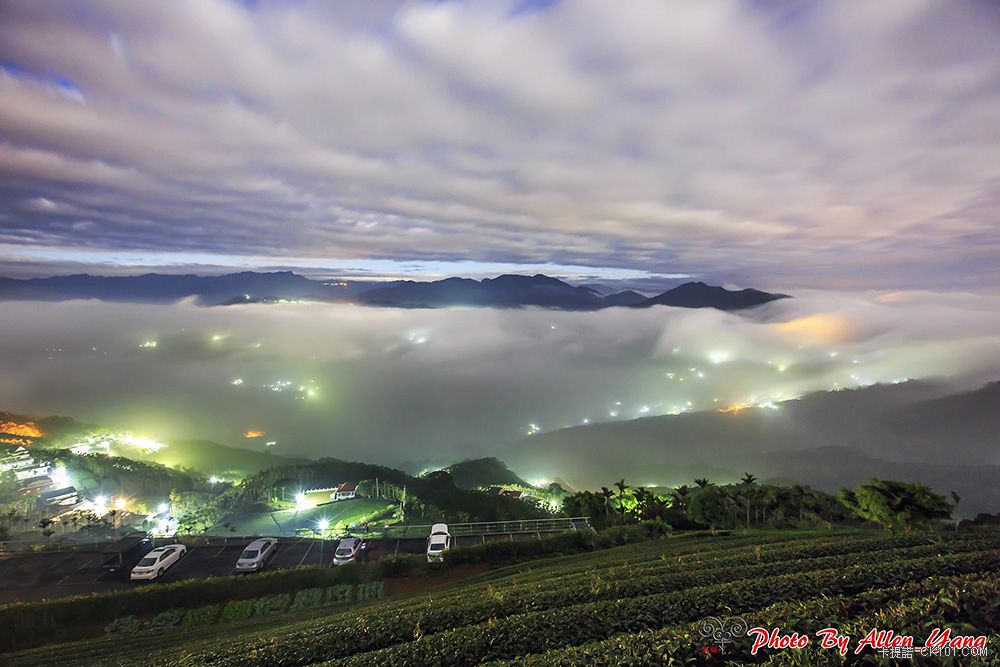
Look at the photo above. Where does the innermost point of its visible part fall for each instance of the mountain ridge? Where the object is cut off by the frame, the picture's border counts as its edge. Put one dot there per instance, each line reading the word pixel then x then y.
pixel 503 291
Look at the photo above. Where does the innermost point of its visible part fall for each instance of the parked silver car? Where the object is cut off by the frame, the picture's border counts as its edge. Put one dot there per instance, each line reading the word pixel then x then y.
pixel 254 558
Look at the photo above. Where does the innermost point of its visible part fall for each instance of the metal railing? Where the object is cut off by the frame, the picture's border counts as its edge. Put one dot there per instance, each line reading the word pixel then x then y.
pixel 485 527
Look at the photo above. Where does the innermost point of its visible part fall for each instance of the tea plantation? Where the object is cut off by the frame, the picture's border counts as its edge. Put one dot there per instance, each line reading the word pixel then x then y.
pixel 635 604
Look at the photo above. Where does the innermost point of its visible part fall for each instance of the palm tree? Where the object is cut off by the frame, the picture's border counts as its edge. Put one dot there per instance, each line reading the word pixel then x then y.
pixel 681 494
pixel 608 494
pixel 621 486
pixel 957 499
pixel 702 482
pixel 748 481
pixel 800 495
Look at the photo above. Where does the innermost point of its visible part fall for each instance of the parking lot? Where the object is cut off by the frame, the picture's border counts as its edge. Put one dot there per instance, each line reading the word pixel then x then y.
pixel 34 576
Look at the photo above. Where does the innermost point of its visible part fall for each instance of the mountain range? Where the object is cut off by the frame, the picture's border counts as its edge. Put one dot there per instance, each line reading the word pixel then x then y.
pixel 916 431
pixel 505 291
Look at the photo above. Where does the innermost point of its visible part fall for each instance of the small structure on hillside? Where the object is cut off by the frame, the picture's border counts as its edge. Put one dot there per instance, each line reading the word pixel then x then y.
pixel 346 491
pixel 65 496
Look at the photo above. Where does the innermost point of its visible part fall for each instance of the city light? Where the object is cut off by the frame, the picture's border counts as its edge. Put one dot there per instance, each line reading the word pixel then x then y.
pixel 718 357
pixel 148 344
pixel 253 434
pixel 162 508
pixel 27 430
pixel 120 504
pixel 147 445
pixel 302 502
pixel 323 524
pixel 59 477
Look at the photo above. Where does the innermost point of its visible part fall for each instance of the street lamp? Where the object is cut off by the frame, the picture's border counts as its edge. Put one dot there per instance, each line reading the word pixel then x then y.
pixel 323 525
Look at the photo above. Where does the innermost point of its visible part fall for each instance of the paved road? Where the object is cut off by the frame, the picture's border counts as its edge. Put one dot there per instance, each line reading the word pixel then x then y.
pixel 35 576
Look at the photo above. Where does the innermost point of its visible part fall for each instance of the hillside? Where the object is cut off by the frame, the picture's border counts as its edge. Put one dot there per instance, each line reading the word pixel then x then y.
pixel 633 604
pixel 434 493
pixel 827 439
pixel 503 292
pixel 700 295
pixel 202 456
pixel 210 458
pixel 478 473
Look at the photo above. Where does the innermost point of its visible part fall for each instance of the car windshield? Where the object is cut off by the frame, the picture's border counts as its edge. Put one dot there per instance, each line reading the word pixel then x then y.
pixel 147 561
pixel 436 547
pixel 249 553
pixel 343 552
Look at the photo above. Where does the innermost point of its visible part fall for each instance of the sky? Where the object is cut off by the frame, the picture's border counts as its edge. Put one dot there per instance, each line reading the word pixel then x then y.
pixel 785 145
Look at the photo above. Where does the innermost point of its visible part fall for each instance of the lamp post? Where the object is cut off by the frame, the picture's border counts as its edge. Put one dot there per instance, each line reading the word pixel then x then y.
pixel 323 525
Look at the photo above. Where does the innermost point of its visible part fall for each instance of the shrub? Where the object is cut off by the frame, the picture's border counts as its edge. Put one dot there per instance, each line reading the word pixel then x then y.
pixel 166 620
pixel 337 594
pixel 29 624
pixel 237 610
pixel 372 591
pixel 200 616
pixel 271 604
pixel 125 625
pixel 640 532
pixel 308 599
pixel 402 565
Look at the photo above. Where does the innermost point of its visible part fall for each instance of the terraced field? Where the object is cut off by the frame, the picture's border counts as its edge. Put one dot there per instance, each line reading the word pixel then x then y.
pixel 637 604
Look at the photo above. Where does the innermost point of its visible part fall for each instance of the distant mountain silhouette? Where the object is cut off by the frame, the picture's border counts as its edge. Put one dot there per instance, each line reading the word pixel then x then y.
pixel 505 291
pixel 624 298
pixel 247 286
pixel 700 295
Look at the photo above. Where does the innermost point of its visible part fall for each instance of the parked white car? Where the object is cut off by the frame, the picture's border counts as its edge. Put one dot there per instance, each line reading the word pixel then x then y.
pixel 256 555
pixel 348 550
pixel 438 543
pixel 158 561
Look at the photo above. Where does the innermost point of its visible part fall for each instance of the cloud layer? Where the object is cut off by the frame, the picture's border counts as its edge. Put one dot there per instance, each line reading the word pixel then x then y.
pixel 848 144
pixel 390 385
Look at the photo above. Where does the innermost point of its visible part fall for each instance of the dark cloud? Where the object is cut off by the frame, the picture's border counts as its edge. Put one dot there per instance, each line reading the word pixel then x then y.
pixel 843 143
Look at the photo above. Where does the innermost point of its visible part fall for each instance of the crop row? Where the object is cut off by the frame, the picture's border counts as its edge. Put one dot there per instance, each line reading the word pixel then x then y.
pixel 941 598
pixel 504 602
pixel 652 564
pixel 438 615
pixel 665 576
pixel 682 546
pixel 395 625
pixel 537 632
pixel 682 549
pixel 746 556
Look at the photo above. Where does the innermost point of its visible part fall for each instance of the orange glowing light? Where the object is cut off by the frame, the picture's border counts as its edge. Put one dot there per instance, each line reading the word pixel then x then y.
pixel 817 328
pixel 890 297
pixel 26 430
pixel 736 407
pixel 253 434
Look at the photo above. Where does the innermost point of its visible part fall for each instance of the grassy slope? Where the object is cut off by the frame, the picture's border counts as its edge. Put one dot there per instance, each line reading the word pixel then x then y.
pixel 591 607
pixel 342 512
